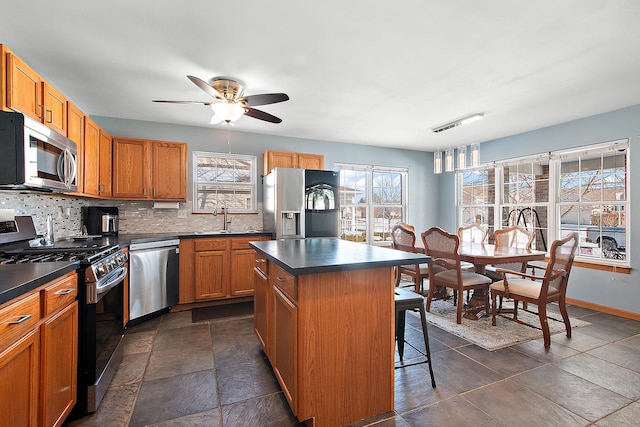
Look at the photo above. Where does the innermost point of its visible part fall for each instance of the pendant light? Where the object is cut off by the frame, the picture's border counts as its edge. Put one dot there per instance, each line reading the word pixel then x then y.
pixel 448 160
pixel 475 155
pixel 437 162
pixel 462 157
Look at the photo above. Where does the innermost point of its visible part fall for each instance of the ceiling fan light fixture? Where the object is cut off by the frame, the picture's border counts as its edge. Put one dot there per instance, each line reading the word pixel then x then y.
pixel 226 112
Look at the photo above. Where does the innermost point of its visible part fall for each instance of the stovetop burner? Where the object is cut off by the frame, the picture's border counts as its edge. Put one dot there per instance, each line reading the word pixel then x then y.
pixel 88 254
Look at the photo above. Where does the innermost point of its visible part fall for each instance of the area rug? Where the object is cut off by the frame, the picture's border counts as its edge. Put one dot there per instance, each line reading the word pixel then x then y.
pixel 220 311
pixel 504 334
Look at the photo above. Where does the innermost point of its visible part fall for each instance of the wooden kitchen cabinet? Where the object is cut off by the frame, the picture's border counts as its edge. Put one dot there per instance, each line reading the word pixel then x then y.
pixel 211 268
pixel 38 355
pixel 24 88
pixel 287 159
pixel 147 169
pixel 97 159
pixel 285 351
pixel 262 303
pixel 55 109
pixel 214 268
pixel 75 132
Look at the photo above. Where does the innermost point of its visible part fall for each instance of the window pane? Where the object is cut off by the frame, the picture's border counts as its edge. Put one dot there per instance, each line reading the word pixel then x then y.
pixel 224 178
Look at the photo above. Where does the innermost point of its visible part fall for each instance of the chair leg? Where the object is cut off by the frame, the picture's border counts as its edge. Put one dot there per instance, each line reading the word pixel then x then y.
pixel 397 276
pixel 515 309
pixel 565 316
pixel 542 314
pixel 430 295
pixel 400 323
pixel 493 308
pixel 425 333
pixel 459 307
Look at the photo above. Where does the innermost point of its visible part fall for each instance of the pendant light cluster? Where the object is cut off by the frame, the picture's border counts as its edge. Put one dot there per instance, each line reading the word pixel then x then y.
pixel 446 162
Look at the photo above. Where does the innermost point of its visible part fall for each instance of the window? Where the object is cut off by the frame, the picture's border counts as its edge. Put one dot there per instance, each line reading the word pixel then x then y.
pixel 224 179
pixel 583 190
pixel 372 200
pixel 593 200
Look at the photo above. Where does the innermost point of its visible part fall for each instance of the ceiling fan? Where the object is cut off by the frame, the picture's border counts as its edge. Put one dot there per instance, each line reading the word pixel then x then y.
pixel 229 104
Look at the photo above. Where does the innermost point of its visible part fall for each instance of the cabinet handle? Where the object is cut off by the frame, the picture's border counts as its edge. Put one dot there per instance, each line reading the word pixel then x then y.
pixel 21 319
pixel 144 192
pixel 280 279
pixel 50 112
pixel 63 292
pixel 41 115
pixel 260 260
pixel 154 192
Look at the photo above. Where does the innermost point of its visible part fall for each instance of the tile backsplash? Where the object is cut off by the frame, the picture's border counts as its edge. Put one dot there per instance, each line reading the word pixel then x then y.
pixel 134 216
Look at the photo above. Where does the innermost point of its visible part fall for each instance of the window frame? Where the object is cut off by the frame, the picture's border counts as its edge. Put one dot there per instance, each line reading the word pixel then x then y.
pixel 555 204
pixel 252 206
pixel 370 206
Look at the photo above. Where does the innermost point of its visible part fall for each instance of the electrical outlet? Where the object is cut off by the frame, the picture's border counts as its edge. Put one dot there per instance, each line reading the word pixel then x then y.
pixel 182 213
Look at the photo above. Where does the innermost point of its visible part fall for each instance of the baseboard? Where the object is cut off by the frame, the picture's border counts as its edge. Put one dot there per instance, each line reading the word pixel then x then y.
pixel 201 304
pixel 604 309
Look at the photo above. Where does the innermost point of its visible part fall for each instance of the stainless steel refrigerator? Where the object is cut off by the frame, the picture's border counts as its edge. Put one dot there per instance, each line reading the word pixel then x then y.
pixel 300 203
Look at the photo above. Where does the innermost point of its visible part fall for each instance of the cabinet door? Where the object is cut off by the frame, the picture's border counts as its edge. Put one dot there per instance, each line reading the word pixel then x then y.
pixel 75 132
pixel 105 164
pixel 261 308
pixel 285 353
pixel 212 271
pixel 19 376
pixel 169 168
pixel 90 160
pixel 279 159
pixel 55 109
pixel 310 161
pixel 24 91
pixel 130 168
pixel 58 366
pixel 242 279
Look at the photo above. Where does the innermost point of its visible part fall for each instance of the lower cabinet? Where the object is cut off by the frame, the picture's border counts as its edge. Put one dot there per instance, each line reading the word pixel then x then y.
pixel 19 373
pixel 285 352
pixel 261 295
pixel 214 268
pixel 38 355
pixel 59 365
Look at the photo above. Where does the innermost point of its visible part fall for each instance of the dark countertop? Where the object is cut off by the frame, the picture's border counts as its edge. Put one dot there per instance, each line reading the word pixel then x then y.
pixel 311 256
pixel 18 279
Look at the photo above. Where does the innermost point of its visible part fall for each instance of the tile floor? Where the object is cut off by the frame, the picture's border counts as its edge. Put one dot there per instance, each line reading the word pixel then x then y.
pixel 214 373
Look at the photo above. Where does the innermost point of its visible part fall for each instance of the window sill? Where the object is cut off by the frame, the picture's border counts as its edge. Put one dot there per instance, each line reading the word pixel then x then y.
pixel 602 267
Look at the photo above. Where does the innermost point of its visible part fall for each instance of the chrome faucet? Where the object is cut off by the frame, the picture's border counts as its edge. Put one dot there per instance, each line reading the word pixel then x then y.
pixel 225 219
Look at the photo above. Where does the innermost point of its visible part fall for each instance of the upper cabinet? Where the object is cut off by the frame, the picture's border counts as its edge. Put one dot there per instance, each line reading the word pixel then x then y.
pixel 287 159
pixel 28 93
pixel 96 164
pixel 24 88
pixel 147 169
pixel 55 109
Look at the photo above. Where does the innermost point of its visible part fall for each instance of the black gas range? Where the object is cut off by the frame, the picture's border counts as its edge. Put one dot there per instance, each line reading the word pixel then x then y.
pixel 101 277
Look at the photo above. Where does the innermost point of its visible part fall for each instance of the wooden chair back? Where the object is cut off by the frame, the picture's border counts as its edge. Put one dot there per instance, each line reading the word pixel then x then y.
pixel 514 236
pixel 472 233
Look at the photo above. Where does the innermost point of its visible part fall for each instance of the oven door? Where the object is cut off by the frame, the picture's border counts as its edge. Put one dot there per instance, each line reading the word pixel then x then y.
pixel 101 332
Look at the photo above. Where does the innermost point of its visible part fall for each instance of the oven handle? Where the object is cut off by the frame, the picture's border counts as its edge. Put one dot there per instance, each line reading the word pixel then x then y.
pixel 111 283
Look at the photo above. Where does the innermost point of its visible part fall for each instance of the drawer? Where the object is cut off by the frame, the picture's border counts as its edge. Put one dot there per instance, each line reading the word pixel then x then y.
pixel 211 245
pixel 243 242
pixel 18 318
pixel 286 282
pixel 262 264
pixel 59 294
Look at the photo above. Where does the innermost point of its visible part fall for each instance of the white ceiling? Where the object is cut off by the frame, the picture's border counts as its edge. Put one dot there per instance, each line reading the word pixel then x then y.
pixel 357 71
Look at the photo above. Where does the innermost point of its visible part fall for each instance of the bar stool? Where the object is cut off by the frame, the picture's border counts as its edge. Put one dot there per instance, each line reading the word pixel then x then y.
pixel 408 300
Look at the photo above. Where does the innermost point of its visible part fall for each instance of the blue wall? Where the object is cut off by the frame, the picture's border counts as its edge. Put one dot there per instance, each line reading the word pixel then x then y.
pixel 422 186
pixel 620 291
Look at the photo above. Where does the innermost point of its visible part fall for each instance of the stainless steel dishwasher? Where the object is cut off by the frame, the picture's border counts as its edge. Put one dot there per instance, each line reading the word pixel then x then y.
pixel 153 278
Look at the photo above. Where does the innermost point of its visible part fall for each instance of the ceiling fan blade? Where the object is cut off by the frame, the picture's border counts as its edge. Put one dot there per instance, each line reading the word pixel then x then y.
pixel 181 102
pixel 264 99
pixel 261 115
pixel 207 88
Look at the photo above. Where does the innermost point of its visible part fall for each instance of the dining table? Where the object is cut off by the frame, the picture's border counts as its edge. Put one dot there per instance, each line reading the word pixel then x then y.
pixel 481 255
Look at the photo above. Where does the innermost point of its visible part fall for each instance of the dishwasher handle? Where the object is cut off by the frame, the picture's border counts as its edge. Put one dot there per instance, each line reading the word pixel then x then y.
pixel 154 245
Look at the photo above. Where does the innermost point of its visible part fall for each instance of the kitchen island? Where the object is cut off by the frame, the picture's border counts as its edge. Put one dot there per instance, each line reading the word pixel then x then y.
pixel 324 313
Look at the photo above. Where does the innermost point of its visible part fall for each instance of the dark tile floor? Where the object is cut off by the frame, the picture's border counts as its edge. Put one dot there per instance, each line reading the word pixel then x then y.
pixel 214 373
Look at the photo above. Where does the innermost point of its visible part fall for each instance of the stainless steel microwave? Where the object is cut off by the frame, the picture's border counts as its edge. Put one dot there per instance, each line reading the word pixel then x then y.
pixel 34 156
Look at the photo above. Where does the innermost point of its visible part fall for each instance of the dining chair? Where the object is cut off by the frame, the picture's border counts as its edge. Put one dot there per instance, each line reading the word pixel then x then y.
pixel 472 233
pixel 540 290
pixel 513 237
pixel 445 268
pixel 403 238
